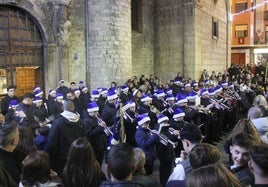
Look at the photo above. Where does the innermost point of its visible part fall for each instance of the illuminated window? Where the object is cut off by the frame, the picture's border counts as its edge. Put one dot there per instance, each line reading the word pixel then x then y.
pixel 241 31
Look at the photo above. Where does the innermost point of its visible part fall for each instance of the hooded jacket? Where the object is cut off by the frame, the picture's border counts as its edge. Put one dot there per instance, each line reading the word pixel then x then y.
pixel 64 130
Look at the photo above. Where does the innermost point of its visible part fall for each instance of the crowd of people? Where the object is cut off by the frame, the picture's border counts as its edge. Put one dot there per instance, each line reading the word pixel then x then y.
pixel 66 138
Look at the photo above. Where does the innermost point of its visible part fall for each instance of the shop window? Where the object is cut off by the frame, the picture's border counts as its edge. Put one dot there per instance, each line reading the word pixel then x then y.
pixel 241 6
pixel 241 31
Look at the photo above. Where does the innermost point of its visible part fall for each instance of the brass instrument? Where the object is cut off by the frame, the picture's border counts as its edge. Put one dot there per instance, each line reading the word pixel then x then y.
pixel 219 103
pixel 107 130
pixel 128 116
pixel 154 110
pixel 200 109
pixel 163 138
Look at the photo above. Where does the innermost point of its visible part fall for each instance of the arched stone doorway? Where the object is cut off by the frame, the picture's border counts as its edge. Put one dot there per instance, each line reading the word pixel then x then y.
pixel 21 50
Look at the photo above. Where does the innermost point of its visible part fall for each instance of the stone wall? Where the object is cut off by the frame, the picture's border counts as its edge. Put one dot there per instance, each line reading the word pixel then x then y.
pixel 110 56
pixel 168 39
pixel 183 37
pixel 143 42
pixel 77 43
pixel 211 53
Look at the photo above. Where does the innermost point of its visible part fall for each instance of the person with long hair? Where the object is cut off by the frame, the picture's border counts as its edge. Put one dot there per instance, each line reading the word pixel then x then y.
pixel 212 175
pixel 82 168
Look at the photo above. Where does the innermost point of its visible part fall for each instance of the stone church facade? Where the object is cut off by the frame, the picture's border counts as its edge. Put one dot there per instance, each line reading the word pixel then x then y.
pixel 100 41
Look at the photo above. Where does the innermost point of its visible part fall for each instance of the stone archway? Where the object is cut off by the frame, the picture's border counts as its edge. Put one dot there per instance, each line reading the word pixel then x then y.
pixel 21 50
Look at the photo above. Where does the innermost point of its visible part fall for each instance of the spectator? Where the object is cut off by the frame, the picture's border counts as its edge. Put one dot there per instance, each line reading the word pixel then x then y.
pixel 65 129
pixel 212 175
pixel 140 173
pixel 259 164
pixel 9 171
pixel 201 155
pixel 6 100
pixel 41 136
pixel 82 169
pixel 121 165
pixel 25 146
pixel 190 136
pixel 36 171
pixel 240 157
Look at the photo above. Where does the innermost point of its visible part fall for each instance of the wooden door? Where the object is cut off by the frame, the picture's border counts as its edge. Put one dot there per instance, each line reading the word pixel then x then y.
pixel 25 77
pixel 20 46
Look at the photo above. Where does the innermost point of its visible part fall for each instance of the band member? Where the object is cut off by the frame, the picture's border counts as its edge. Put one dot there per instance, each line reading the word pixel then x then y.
pixel 130 122
pixel 85 97
pixel 102 99
pixel 164 149
pixel 109 111
pixel 159 100
pixel 146 107
pixel 177 123
pixel 124 94
pixel 94 131
pixel 146 139
pixel 168 111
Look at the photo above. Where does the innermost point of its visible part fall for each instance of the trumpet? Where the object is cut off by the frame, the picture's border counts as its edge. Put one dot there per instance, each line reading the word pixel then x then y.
pixel 219 103
pixel 163 138
pixel 107 130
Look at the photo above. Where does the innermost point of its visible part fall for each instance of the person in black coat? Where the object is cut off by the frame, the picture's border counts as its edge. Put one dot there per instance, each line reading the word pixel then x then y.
pixel 9 138
pixel 56 107
pixel 146 139
pixel 109 111
pixel 24 112
pixel 146 107
pixel 165 149
pixel 6 100
pixel 64 130
pixel 62 88
pixel 94 131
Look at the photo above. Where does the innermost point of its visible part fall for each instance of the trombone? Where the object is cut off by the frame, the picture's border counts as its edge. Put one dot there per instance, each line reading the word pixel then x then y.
pixel 107 130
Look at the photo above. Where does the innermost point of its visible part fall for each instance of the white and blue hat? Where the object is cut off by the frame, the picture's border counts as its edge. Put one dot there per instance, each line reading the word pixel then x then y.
pixel 146 98
pixel 128 105
pixel 38 93
pixel 84 88
pixel 203 91
pixel 37 100
pixel 52 91
pixel 95 94
pixel 170 97
pixel 192 95
pixel 92 107
pixel 59 96
pixel 104 91
pixel 13 103
pixel 181 98
pixel 143 118
pixel 162 118
pixel 77 91
pixel 111 95
pixel 124 88
pixel 178 113
pixel 160 93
